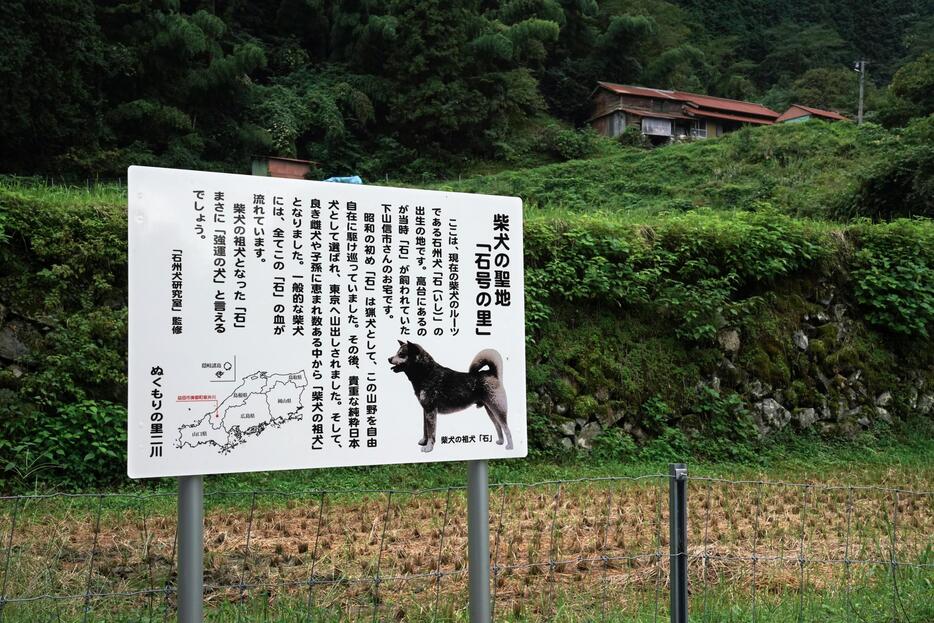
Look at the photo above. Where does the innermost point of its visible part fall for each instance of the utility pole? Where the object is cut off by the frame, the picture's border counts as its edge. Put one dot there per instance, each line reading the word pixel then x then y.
pixel 861 69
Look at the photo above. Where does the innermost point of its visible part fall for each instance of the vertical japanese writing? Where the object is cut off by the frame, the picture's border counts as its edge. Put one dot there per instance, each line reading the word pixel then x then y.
pixel 176 287
pixel 353 287
pixel 437 273
pixel 386 264
pixel 492 262
pixel 239 265
pixel 220 264
pixel 317 417
pixel 453 276
pixel 421 281
pixel 353 411
pixel 501 276
pixel 259 226
pixel 369 313
pixel 484 320
pixel 316 279
pixel 371 410
pixel 316 282
pixel 335 312
pixel 404 305
pixel 278 267
pixel 155 416
pixel 200 218
pixel 298 280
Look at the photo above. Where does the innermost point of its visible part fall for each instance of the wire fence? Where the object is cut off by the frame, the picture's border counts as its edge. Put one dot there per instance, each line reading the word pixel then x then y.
pixel 594 549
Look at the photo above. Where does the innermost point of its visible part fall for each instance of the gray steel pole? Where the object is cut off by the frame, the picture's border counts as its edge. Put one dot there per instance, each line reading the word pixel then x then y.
pixel 191 549
pixel 678 540
pixel 478 540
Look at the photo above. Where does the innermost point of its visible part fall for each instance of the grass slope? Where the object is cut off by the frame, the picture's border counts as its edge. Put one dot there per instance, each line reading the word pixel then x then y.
pixel 801 169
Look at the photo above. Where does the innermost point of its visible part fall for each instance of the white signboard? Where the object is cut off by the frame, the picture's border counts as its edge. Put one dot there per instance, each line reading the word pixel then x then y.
pixel 285 324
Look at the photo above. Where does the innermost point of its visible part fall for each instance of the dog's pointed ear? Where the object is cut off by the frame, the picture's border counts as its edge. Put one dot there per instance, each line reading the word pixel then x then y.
pixel 401 343
pixel 417 352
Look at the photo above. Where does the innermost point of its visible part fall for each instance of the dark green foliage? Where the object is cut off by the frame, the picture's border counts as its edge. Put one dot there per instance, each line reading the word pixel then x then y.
pixel 898 184
pixel 79 445
pixel 621 304
pixel 831 89
pixel 893 276
pixel 567 144
pixel 51 58
pixel 686 267
pixel 797 168
pixel 411 88
pixel 633 137
pixel 724 428
pixel 911 93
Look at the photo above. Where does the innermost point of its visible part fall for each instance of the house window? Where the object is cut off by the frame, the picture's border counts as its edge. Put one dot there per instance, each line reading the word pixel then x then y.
pixel 699 128
pixel 656 127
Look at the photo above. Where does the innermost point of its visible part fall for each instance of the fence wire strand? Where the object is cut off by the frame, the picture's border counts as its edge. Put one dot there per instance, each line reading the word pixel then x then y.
pixel 590 548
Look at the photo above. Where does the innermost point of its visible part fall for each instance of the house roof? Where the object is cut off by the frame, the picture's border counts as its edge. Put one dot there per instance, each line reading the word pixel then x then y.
pixel 719 115
pixel 720 104
pixel 642 112
pixel 799 110
pixel 261 157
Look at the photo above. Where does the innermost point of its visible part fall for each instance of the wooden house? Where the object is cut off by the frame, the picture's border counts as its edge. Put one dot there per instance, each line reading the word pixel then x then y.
pixel 799 112
pixel 274 166
pixel 665 115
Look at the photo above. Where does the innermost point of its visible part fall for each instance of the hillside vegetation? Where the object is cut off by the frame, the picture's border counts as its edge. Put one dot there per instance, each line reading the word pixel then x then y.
pixel 686 301
pixel 816 169
pixel 411 87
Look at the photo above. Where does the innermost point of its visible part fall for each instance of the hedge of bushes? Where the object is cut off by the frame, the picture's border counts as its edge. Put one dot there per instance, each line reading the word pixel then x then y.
pixel 63 284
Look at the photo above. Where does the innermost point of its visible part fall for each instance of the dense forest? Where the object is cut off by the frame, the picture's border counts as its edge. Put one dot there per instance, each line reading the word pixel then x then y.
pixel 412 88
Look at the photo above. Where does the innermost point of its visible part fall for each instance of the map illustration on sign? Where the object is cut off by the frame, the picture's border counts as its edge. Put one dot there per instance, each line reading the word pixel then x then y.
pixel 291 324
pixel 261 400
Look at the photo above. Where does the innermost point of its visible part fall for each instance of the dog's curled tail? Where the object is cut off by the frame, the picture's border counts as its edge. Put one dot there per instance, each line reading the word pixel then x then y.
pixel 488 357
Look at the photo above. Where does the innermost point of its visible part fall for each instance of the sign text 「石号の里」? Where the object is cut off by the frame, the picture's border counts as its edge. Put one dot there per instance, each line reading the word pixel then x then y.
pixel 286 324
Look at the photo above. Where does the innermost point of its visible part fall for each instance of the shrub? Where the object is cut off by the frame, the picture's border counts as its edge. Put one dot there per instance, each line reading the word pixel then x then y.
pixel 899 184
pixel 633 137
pixel 893 275
pixel 81 445
pixel 726 431
pixel 690 267
pixel 568 144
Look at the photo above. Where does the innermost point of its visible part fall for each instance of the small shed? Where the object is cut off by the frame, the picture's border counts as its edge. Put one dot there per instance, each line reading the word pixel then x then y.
pixel 276 166
pixel 799 112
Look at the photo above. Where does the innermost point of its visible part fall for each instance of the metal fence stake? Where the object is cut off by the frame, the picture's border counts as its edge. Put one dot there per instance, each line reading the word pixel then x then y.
pixel 678 541
pixel 190 549
pixel 478 540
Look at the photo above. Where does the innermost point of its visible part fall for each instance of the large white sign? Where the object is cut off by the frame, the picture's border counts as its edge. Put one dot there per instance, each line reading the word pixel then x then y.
pixel 285 324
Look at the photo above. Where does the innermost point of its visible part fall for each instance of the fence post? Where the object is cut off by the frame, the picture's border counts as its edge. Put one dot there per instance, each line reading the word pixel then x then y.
pixel 478 541
pixel 678 541
pixel 190 549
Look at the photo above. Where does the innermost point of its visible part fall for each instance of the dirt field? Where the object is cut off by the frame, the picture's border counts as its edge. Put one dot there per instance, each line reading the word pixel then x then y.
pixel 575 548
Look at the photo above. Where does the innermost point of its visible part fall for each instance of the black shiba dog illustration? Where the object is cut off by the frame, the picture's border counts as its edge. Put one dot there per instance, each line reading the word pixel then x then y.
pixel 442 390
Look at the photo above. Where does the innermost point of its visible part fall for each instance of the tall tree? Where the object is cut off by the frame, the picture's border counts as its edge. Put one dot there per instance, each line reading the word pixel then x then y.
pixel 51 57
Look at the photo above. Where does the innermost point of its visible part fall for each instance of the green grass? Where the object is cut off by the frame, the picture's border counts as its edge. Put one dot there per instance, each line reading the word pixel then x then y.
pixel 798 168
pixel 801 169
pixel 64 193
pixel 891 461
pixel 866 595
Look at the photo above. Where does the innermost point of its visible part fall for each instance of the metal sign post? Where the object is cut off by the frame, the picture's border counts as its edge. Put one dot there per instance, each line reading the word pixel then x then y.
pixel 191 549
pixel 678 537
pixel 219 264
pixel 478 540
